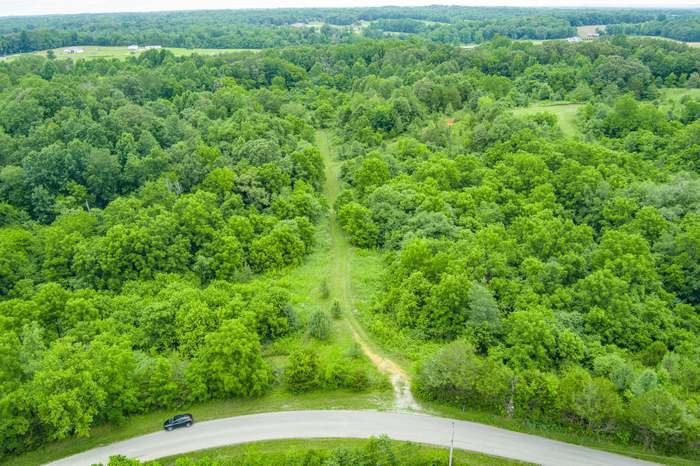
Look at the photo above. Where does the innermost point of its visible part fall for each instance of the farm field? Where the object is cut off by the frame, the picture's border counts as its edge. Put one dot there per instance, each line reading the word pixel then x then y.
pixel 121 52
pixel 583 31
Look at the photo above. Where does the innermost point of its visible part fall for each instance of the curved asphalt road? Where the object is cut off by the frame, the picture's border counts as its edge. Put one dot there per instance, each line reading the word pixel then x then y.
pixel 351 424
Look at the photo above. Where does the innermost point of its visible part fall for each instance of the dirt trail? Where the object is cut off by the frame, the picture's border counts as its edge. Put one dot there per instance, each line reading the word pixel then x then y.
pixel 341 288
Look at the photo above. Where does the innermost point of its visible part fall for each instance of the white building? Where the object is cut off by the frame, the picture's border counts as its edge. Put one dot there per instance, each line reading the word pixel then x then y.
pixel 152 47
pixel 133 47
pixel 73 50
pixel 574 39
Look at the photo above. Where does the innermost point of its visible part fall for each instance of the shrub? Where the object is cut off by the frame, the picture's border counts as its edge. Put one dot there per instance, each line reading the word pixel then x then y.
pixel 302 372
pixel 320 325
pixel 325 292
pixel 357 379
pixel 335 373
pixel 336 310
pixel 292 318
pixel 355 351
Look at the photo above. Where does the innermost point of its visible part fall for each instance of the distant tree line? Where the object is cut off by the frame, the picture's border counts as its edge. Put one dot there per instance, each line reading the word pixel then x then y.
pixel 679 27
pixel 283 27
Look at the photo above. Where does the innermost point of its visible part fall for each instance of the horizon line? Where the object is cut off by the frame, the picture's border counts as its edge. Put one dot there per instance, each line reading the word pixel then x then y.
pixel 264 8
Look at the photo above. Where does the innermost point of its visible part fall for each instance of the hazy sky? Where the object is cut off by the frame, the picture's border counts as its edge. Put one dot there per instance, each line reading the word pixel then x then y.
pixel 38 7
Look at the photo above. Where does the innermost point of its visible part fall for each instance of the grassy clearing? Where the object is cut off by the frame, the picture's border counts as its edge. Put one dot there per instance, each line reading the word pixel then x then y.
pixel 669 99
pixel 353 278
pixel 334 267
pixel 355 274
pixel 677 93
pixel 276 451
pixel 121 52
pixel 690 44
pixel 565 113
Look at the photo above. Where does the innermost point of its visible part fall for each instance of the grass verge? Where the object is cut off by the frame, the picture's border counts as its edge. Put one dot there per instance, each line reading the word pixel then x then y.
pixel 278 451
pixel 555 433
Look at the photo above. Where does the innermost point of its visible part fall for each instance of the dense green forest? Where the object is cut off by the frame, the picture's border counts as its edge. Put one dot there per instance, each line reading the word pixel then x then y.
pixel 133 217
pixel 252 29
pixel 559 276
pixel 680 28
pixel 145 203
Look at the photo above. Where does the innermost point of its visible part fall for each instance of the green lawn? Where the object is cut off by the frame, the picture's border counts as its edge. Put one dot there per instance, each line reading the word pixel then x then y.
pixel 121 52
pixel 565 113
pixel 276 451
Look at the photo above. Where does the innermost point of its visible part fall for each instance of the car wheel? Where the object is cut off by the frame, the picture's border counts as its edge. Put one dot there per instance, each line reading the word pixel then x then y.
pixel 169 428
pixel 189 424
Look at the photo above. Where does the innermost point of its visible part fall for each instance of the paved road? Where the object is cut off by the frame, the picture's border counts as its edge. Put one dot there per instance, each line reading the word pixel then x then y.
pixel 351 424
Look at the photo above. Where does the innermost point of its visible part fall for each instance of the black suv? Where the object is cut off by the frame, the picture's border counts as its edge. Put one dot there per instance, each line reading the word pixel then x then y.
pixel 180 420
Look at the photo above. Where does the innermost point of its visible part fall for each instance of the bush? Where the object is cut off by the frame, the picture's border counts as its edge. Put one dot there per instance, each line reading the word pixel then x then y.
pixel 357 379
pixel 336 310
pixel 325 292
pixel 355 351
pixel 302 372
pixel 456 375
pixel 292 318
pixel 335 373
pixel 320 325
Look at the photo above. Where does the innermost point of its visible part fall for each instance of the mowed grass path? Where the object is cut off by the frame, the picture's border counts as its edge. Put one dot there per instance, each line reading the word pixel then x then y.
pixel 121 52
pixel 358 271
pixel 565 113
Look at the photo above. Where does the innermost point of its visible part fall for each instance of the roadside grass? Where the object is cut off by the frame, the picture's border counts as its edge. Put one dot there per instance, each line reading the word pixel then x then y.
pixel 277 451
pixel 556 433
pixel 121 52
pixel 565 113
pixel 278 400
